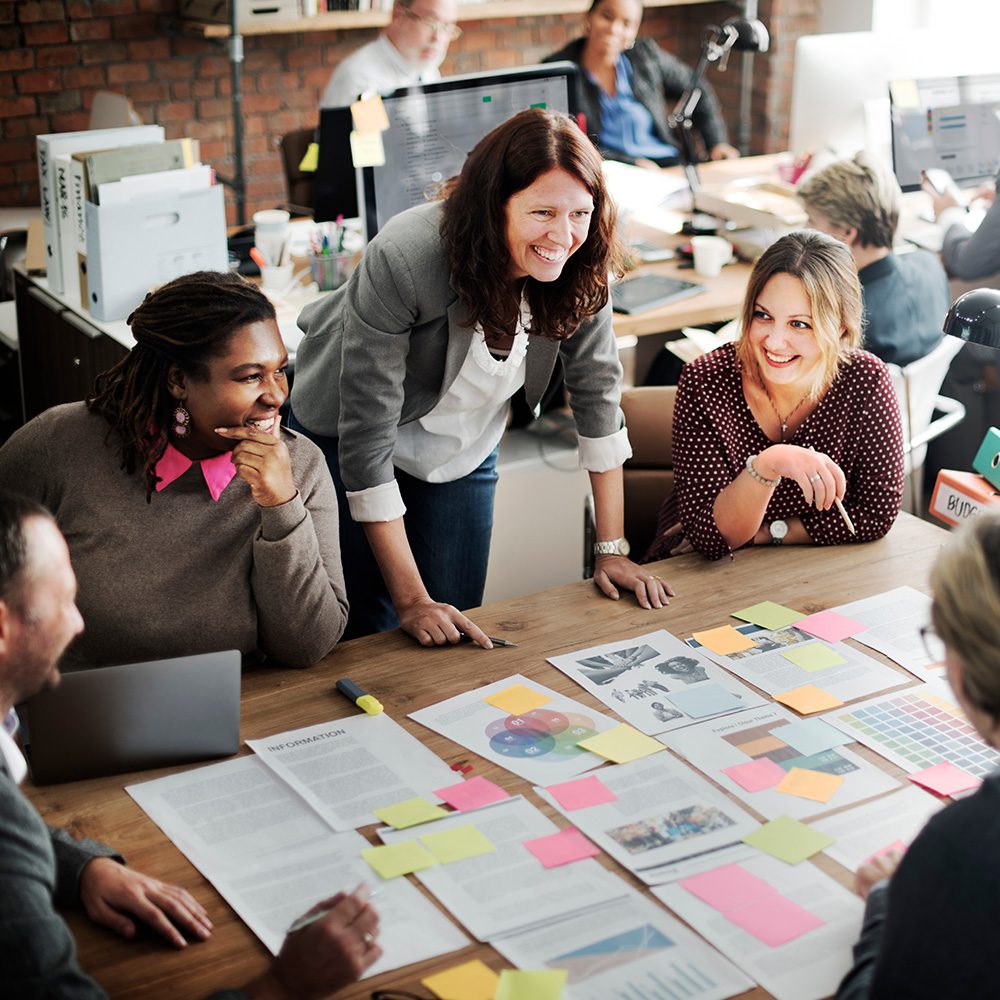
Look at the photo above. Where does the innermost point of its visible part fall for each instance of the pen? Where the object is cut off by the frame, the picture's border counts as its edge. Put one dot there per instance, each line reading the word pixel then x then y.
pixel 340 234
pixel 362 892
pixel 492 638
pixel 257 257
pixel 845 516
pixel 360 697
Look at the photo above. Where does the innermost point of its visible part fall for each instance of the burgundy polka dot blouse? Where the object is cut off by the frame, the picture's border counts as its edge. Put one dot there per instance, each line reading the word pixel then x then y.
pixel 856 423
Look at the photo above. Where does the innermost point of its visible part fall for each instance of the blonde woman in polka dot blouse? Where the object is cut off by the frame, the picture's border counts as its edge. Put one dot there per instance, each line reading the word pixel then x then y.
pixel 771 431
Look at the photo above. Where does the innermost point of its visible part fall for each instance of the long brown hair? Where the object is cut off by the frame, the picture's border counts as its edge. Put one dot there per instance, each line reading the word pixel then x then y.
pixel 184 322
pixel 473 227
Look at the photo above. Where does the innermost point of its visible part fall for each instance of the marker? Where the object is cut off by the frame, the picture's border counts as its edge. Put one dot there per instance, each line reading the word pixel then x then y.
pixel 362 892
pixel 368 703
pixel 257 257
pixel 492 638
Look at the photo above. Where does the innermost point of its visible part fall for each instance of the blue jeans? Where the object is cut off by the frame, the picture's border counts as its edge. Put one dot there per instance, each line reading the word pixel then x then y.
pixel 448 526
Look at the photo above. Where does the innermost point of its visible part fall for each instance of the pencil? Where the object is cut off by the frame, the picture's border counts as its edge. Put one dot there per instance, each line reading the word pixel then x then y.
pixel 845 516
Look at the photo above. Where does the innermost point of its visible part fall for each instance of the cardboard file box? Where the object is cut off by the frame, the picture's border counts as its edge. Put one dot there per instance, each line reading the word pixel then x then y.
pixel 987 460
pixel 960 496
pixel 140 244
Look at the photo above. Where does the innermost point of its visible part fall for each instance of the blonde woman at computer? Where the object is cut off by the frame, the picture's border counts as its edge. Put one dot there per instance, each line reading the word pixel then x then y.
pixel 195 521
pixel 771 432
pixel 405 375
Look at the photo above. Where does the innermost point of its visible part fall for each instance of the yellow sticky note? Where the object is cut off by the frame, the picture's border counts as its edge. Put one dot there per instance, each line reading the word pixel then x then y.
pixel 816 785
pixel 367 149
pixel 310 162
pixel 393 860
pixel 457 844
pixel 767 614
pixel 724 640
pixel 410 812
pixel 369 115
pixel 469 981
pixel 815 656
pixel 788 839
pixel 517 699
pixel 531 984
pixel 621 744
pixel 905 93
pixel 808 699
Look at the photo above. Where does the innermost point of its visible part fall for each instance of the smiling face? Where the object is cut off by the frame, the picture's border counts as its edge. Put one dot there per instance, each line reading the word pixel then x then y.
pixel 546 223
pixel 245 386
pixel 781 335
pixel 611 28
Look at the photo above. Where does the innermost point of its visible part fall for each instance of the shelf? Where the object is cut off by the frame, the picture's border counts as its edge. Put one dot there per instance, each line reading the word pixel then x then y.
pixel 349 20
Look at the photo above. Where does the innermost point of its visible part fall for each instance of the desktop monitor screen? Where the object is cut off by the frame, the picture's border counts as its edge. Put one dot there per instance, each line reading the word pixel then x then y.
pixel 950 123
pixel 335 187
pixel 434 126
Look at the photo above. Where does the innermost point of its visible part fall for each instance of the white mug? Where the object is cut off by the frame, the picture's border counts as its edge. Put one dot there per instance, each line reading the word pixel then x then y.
pixel 711 253
pixel 270 233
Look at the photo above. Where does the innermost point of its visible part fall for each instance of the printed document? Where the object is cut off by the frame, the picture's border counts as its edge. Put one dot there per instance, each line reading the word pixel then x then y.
pixel 271 857
pixel 347 768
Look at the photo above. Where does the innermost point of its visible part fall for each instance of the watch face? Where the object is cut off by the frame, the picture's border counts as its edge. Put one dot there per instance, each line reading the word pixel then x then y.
pixel 778 530
pixel 623 547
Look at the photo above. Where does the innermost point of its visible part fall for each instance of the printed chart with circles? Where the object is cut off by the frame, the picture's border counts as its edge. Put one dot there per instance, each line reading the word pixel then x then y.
pixel 540 733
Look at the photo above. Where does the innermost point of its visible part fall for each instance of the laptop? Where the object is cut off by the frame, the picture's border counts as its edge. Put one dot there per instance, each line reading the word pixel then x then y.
pixel 135 716
pixel 650 291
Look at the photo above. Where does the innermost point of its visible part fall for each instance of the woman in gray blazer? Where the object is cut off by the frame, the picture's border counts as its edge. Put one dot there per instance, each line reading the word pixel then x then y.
pixel 405 375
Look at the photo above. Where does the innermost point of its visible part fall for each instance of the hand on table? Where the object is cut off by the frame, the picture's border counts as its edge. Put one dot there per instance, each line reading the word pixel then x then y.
pixel 263 462
pixel 723 151
pixel 113 894
pixel 875 870
pixel 940 200
pixel 650 591
pixel 432 623
pixel 683 546
pixel 819 477
pixel 325 955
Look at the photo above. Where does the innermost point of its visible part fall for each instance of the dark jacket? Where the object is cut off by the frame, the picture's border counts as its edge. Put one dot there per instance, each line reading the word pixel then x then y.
pixel 658 80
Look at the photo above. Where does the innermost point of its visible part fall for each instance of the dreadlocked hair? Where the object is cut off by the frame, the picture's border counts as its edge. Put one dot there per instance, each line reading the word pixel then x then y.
pixel 184 323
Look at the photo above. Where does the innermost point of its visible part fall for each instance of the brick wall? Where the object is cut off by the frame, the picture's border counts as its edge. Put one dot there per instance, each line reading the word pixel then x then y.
pixel 55 54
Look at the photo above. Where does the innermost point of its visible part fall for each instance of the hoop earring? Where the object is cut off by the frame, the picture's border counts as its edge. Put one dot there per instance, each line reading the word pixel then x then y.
pixel 182 421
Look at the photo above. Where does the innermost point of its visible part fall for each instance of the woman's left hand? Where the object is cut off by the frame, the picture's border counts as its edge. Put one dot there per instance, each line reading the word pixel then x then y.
pixel 263 462
pixel 723 151
pixel 650 591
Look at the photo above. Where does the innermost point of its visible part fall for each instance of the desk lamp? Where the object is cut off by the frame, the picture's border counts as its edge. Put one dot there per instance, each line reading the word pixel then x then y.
pixel 975 317
pixel 739 33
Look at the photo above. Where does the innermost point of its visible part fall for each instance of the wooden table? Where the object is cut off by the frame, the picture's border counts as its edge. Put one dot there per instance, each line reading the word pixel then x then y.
pixel 406 677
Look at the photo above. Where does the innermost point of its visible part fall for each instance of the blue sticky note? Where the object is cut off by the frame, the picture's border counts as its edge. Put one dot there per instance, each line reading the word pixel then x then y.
pixel 707 698
pixel 811 736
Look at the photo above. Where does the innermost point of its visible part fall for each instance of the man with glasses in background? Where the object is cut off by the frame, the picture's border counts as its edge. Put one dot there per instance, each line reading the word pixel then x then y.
pixel 410 50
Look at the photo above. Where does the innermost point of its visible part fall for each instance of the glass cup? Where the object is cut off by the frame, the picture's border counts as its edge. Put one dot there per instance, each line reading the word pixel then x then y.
pixel 331 270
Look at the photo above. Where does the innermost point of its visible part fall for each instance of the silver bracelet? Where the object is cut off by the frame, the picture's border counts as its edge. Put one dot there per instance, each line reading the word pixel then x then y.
pixel 754 474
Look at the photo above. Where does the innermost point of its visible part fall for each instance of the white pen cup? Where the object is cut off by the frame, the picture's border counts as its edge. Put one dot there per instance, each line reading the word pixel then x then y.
pixel 711 254
pixel 276 279
pixel 270 233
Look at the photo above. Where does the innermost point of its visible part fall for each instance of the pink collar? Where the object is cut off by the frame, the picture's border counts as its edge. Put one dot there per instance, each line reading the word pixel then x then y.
pixel 217 470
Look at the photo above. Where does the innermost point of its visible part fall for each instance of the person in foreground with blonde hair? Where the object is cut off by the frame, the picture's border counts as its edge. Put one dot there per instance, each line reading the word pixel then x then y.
pixel 932 919
pixel 905 295
pixel 774 434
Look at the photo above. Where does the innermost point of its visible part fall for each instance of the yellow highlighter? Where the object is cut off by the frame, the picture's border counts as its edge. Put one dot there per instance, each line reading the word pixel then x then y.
pixel 367 702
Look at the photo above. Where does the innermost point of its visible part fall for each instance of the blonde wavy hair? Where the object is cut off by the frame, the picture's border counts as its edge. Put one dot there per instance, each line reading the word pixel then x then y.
pixel 966 609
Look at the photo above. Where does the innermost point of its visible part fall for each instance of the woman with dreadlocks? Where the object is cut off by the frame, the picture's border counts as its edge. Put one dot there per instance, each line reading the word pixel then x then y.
pixel 195 521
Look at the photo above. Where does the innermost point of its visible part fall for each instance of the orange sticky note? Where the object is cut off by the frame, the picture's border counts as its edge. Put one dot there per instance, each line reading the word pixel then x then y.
pixel 469 981
pixel 816 785
pixel 808 699
pixel 369 115
pixel 517 699
pixel 723 640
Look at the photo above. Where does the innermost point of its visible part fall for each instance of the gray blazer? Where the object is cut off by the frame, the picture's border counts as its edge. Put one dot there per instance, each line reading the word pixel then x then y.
pixel 384 349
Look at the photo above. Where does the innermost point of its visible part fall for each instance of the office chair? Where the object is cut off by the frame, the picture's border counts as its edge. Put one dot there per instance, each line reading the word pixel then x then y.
pixel 917 386
pixel 299 184
pixel 648 475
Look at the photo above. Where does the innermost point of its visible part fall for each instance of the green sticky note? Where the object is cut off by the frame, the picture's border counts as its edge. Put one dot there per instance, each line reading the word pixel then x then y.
pixel 393 860
pixel 621 744
pixel 457 844
pixel 789 840
pixel 531 984
pixel 410 812
pixel 767 614
pixel 815 656
pixel 469 981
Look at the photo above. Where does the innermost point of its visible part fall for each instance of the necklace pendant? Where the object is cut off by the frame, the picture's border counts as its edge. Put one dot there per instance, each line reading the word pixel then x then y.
pixel 784 428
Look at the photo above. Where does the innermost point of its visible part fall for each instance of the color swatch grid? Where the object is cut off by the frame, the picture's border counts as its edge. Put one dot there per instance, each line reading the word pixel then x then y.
pixel 918 730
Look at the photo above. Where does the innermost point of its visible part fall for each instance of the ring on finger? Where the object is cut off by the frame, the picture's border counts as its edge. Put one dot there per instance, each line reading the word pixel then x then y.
pixel 367 939
pixel 815 478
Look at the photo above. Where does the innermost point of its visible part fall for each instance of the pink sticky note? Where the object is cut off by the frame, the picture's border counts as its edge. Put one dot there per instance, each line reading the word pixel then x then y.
pixel 775 920
pixel 945 779
pixel 562 848
pixel 896 845
pixel 727 888
pixel 471 794
pixel 583 792
pixel 756 775
pixel 830 626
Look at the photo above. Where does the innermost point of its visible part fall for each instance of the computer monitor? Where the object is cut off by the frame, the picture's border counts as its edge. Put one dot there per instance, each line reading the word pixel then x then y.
pixel 335 186
pixel 950 123
pixel 434 126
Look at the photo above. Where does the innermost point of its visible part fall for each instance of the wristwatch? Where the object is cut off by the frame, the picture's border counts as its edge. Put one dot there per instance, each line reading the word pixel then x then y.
pixel 616 547
pixel 778 530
